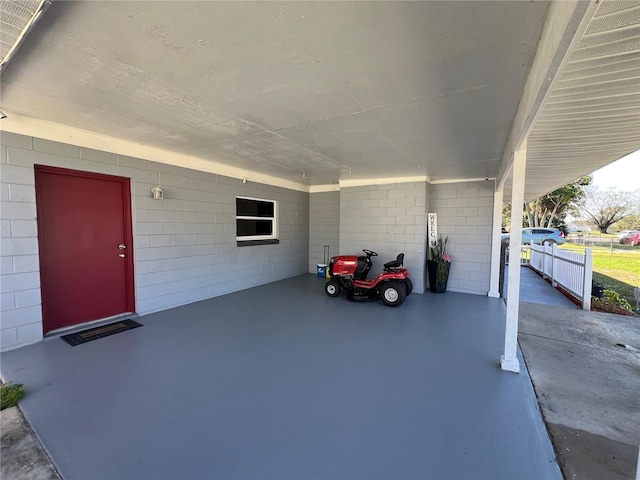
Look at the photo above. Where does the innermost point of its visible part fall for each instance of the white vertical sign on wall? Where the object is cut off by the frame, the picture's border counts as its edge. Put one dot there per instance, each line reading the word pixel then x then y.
pixel 433 229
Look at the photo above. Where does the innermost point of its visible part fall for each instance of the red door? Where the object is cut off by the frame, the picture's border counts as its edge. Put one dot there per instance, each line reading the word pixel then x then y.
pixel 84 234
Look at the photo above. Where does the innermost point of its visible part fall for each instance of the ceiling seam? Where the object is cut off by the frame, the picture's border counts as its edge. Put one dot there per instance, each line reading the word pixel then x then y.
pixel 577 78
pixel 592 92
pixel 610 43
pixel 609 31
pixel 384 107
pixel 590 111
pixel 580 128
pixel 573 68
pixel 615 12
pixel 589 105
pixel 605 55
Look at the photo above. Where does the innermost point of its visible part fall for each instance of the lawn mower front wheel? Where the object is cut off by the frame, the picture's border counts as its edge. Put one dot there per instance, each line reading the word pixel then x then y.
pixel 332 288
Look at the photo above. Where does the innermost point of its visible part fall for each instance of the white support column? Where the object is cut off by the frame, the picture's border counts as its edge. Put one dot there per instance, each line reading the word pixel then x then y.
pixel 509 361
pixel 494 287
pixel 554 265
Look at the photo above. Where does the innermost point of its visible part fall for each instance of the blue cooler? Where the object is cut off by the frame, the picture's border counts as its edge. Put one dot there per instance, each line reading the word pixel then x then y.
pixel 322 270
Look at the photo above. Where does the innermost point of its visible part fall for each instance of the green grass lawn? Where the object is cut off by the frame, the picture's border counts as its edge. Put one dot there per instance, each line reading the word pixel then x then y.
pixel 616 269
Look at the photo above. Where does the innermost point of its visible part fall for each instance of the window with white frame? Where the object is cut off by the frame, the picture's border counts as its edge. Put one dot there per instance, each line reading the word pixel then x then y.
pixel 256 221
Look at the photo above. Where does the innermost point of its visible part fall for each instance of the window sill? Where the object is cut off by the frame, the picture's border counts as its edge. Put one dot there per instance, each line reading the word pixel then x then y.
pixel 252 243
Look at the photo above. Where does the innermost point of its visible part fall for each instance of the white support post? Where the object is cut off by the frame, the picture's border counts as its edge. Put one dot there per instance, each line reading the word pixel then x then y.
pixel 588 275
pixel 554 265
pixel 494 284
pixel 509 361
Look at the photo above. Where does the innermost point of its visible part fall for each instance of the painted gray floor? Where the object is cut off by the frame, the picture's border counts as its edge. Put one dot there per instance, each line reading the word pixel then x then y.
pixel 534 289
pixel 283 382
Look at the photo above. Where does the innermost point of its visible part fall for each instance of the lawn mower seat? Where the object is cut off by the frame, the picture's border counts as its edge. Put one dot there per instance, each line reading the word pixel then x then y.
pixel 397 263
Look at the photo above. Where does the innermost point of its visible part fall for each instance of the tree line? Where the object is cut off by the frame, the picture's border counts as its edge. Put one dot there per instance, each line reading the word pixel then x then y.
pixel 585 202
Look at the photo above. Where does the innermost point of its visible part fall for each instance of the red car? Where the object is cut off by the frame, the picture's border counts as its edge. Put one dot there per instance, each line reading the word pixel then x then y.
pixel 632 239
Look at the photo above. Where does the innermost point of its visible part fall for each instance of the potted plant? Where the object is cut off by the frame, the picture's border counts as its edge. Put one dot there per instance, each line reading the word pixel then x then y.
pixel 438 266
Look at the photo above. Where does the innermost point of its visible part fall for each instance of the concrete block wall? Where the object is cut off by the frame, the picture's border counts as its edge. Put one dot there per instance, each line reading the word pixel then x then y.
pixel 388 219
pixel 324 226
pixel 184 246
pixel 465 215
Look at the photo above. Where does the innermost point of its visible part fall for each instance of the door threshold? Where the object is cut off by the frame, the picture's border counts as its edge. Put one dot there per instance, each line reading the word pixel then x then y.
pixel 94 323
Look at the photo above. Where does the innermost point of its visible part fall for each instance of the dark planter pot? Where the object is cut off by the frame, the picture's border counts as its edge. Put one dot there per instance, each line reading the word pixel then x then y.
pixel 432 270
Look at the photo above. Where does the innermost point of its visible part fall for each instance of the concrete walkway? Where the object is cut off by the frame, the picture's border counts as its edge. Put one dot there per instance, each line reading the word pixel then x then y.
pixel 283 382
pixel 588 387
pixel 535 289
pixel 22 455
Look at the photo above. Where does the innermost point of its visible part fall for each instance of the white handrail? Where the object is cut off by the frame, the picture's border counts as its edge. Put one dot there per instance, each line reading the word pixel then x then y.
pixel 571 270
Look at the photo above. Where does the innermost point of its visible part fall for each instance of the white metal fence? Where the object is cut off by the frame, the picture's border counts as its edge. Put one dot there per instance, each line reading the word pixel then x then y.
pixel 571 270
pixel 525 255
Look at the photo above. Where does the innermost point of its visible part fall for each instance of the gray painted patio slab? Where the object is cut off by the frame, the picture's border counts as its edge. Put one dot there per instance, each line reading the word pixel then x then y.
pixel 281 381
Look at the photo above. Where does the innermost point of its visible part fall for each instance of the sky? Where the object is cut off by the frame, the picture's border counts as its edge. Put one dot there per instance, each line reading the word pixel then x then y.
pixel 623 174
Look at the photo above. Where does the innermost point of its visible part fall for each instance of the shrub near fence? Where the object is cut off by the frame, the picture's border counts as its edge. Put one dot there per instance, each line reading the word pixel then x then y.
pixel 616 268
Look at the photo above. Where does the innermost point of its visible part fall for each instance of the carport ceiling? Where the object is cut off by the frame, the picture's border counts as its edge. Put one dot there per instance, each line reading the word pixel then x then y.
pixel 313 92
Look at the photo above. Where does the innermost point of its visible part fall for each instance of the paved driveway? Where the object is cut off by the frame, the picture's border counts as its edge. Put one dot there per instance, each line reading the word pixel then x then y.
pixel 588 387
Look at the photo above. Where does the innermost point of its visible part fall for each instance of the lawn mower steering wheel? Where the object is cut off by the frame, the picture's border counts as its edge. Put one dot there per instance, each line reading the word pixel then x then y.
pixel 369 253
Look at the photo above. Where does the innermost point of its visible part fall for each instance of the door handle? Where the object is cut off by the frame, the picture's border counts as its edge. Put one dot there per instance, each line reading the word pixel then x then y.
pixel 121 255
pixel 122 246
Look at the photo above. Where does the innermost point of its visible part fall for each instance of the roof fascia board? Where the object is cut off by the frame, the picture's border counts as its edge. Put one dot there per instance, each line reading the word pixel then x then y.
pixel 461 180
pixel 562 30
pixel 334 187
pixel 39 11
pixel 363 182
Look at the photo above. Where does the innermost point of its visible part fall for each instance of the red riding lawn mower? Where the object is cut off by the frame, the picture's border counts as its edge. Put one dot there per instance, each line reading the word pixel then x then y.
pixel 349 272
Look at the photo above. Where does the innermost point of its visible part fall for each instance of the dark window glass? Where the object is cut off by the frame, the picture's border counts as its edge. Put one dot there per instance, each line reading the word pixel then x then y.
pixel 253 208
pixel 253 227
